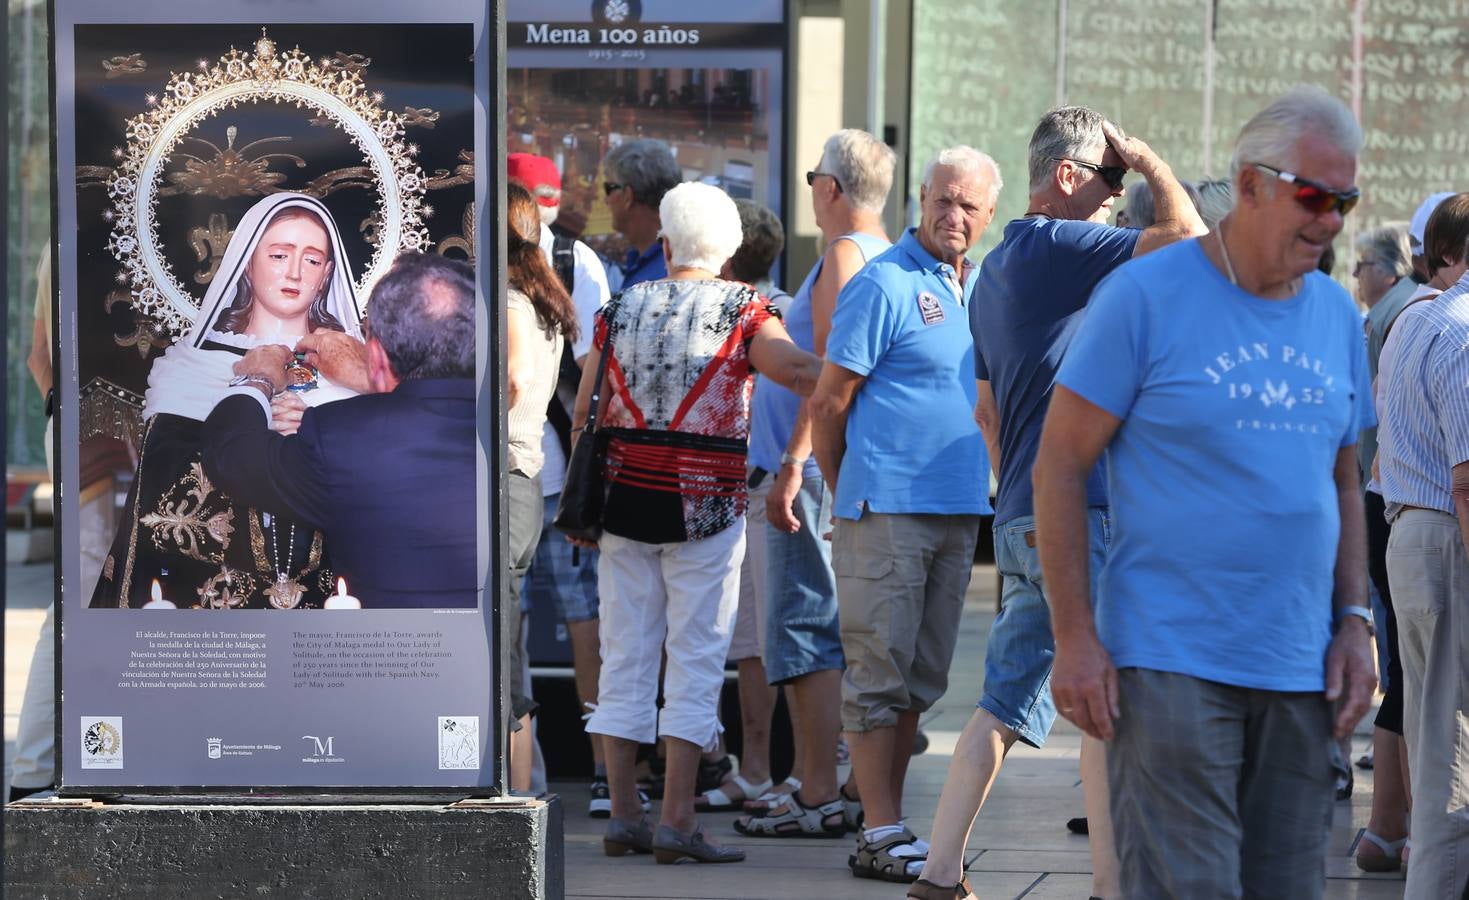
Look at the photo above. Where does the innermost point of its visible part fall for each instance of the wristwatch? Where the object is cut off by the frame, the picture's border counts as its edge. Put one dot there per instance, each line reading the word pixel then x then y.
pixel 788 460
pixel 256 380
pixel 1360 612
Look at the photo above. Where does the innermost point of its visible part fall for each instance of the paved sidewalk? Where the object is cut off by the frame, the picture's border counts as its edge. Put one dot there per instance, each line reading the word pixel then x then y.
pixel 1019 846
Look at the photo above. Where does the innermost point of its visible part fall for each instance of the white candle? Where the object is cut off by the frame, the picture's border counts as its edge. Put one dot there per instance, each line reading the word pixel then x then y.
pixel 341 599
pixel 158 602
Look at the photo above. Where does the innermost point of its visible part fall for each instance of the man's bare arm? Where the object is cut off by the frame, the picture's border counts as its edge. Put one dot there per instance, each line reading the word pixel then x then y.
pixel 1083 679
pixel 830 405
pixel 1351 676
pixel 1175 215
pixel 987 417
pixel 1459 486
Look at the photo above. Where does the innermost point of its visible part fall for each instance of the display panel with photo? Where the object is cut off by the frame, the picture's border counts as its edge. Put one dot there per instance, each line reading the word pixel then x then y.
pixel 252 454
pixel 705 78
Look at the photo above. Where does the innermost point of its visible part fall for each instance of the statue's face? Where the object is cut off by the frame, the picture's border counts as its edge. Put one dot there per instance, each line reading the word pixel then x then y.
pixel 289 267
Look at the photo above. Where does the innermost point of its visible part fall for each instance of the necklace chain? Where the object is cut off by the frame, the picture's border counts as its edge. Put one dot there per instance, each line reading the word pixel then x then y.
pixel 275 556
pixel 1224 252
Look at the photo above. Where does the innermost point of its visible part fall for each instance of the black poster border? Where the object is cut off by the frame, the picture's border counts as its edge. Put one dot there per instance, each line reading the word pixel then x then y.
pixel 491 427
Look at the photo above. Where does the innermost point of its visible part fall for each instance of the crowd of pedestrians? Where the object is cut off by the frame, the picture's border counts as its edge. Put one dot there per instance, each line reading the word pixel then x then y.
pixel 1211 465
pixel 1196 506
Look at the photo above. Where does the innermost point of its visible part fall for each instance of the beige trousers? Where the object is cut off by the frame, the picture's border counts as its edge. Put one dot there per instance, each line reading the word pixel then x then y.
pixel 1429 573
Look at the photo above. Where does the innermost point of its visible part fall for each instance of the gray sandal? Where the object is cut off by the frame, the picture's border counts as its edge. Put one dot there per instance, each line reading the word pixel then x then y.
pixel 794 819
pixel 876 860
pixel 670 846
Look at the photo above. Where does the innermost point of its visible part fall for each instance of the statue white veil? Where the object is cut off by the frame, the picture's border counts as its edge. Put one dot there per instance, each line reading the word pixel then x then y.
pixel 192 375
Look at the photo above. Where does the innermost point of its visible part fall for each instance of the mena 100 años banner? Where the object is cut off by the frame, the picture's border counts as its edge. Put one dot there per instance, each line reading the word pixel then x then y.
pixel 296 599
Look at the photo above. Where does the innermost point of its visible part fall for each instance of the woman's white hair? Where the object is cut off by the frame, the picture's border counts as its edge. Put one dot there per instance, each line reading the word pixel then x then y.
pixel 862 165
pixel 701 225
pixel 966 161
pixel 1271 135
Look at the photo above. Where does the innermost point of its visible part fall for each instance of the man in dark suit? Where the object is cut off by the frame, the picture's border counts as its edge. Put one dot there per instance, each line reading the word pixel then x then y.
pixel 387 476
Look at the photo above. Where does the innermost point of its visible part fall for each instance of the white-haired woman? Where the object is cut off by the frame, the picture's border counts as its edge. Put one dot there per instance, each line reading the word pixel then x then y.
pixel 676 414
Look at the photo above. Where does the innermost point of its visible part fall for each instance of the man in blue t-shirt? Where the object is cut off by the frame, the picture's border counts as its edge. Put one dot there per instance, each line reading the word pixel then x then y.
pixel 1226 380
pixel 1028 300
pixel 895 439
pixel 638 174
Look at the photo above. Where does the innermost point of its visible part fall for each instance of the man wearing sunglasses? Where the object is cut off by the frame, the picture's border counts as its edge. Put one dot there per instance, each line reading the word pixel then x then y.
pixel 1029 296
pixel 637 175
pixel 1226 380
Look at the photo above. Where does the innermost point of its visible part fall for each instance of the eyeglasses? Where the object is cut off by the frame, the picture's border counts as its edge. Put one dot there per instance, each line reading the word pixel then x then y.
pixel 1317 199
pixel 1361 264
pixel 811 179
pixel 608 187
pixel 1112 175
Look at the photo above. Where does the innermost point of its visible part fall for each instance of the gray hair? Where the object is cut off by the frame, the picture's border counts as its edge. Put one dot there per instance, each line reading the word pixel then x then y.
pixel 1216 199
pixel 1271 135
pixel 1386 248
pixel 701 224
pixel 646 166
pixel 1140 209
pixel 862 165
pixel 1063 133
pixel 966 161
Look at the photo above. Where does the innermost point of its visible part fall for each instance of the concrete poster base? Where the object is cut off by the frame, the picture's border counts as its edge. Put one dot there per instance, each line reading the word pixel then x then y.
pixel 473 848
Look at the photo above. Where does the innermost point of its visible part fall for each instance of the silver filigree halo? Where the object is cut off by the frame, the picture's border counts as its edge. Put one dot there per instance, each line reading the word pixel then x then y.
pixel 236 78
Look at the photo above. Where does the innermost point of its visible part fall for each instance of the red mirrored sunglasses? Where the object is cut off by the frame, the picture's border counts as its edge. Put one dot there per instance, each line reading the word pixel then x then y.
pixel 1315 198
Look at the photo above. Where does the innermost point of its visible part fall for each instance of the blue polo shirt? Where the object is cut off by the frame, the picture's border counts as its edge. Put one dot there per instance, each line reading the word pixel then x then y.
pixel 640 267
pixel 912 445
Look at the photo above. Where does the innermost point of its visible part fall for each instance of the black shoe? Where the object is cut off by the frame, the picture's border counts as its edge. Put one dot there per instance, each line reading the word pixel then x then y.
pixel 712 774
pixel 920 743
pixel 1077 825
pixel 20 793
pixel 600 806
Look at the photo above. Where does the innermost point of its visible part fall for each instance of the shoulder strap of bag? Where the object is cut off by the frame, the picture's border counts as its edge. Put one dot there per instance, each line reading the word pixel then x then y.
pixel 563 260
pixel 591 424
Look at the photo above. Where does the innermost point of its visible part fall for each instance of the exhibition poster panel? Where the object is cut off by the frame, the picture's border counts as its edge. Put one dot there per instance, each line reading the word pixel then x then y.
pixel 280 595
pixel 705 77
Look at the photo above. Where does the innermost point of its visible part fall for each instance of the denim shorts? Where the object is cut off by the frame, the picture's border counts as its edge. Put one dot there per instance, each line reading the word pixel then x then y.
pixel 801 629
pixel 1017 661
pixel 553 575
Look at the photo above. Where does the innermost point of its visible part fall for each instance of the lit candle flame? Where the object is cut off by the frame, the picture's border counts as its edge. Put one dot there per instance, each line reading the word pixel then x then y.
pixel 158 602
pixel 341 599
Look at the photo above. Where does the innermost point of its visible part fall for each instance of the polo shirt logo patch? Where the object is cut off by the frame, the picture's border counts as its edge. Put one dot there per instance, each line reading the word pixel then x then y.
pixel 931 308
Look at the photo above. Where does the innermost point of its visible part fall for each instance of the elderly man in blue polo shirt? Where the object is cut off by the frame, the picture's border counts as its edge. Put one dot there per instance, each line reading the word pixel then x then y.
pixel 896 440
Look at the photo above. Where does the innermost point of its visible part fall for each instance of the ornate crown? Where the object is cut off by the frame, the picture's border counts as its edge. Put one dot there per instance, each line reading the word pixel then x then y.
pixel 333 89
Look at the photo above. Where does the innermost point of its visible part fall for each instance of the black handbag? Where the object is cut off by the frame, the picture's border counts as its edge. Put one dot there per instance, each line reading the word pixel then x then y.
pixel 584 494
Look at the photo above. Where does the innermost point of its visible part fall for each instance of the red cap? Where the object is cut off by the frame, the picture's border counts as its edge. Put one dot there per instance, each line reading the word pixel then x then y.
pixel 533 172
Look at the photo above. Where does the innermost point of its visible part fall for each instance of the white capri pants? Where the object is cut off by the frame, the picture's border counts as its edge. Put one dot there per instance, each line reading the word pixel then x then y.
pixel 688 592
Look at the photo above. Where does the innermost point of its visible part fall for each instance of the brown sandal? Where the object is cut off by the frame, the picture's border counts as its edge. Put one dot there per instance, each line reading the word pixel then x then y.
pixel 923 889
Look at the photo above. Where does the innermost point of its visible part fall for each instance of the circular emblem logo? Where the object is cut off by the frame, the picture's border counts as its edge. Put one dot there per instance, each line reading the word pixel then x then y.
pixel 101 738
pixel 616 12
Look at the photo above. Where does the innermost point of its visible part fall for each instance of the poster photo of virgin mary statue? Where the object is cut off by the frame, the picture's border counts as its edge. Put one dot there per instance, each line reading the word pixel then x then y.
pixel 240 186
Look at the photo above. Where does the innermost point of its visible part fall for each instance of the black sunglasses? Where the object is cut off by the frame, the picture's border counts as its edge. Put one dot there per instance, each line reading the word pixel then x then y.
pixel 811 179
pixel 1313 197
pixel 1112 175
pixel 609 186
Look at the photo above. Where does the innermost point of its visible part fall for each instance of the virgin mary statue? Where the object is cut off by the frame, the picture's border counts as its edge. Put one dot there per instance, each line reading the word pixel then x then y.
pixel 284 274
